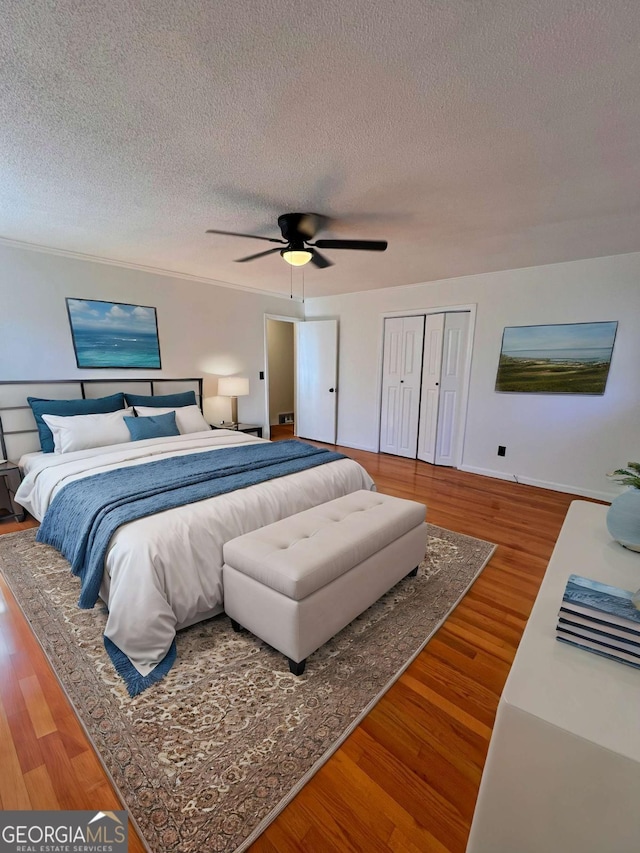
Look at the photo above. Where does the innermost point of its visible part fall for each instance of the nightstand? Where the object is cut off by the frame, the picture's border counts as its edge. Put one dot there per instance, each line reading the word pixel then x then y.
pixel 250 429
pixel 10 478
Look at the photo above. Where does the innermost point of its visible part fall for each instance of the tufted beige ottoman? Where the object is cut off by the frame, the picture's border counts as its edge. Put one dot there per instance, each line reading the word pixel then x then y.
pixel 299 581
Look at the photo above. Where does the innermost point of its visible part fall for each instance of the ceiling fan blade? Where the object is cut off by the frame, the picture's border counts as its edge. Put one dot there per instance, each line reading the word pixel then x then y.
pixel 253 257
pixel 365 245
pixel 320 261
pixel 253 236
pixel 309 224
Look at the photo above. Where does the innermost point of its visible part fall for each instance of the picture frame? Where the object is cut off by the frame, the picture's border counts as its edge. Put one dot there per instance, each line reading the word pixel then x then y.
pixel 561 358
pixel 114 334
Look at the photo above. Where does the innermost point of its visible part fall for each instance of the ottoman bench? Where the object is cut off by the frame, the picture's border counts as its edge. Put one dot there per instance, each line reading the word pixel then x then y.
pixel 297 582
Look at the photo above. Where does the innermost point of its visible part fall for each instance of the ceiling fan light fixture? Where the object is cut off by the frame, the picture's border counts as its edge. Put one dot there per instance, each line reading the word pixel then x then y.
pixel 297 257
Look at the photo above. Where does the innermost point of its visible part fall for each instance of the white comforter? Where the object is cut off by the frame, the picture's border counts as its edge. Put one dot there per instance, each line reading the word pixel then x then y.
pixel 164 572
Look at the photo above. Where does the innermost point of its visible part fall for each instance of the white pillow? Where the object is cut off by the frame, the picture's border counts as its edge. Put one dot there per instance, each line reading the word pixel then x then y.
pixel 81 432
pixel 188 418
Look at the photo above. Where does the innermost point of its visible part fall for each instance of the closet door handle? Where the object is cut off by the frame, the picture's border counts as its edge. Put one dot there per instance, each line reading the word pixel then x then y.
pixel 331 390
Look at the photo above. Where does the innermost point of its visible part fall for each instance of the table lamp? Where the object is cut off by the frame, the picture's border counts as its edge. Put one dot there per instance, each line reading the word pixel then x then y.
pixel 234 387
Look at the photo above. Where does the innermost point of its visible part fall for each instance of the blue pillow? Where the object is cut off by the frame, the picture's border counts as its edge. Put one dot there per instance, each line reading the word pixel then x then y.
pixel 155 426
pixel 164 401
pixel 40 407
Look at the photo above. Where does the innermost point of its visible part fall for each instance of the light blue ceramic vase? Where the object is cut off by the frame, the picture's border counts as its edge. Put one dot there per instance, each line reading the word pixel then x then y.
pixel 623 519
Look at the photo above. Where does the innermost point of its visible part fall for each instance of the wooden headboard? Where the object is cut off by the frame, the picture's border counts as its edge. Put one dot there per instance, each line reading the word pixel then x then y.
pixel 18 432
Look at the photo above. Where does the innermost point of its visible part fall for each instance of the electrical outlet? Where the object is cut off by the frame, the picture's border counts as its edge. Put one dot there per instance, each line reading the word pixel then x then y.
pixel 502 450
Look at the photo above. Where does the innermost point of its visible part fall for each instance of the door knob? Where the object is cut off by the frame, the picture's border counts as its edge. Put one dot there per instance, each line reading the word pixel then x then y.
pixel 331 390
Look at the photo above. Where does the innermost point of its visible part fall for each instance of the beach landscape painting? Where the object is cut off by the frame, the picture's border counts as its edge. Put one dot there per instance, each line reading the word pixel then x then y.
pixel 567 358
pixel 113 334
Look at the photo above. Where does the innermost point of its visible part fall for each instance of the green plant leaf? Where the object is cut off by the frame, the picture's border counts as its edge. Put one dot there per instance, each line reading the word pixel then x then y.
pixel 629 476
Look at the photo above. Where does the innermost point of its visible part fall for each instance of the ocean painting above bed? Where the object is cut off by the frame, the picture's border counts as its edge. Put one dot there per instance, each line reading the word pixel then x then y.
pixel 113 334
pixel 161 572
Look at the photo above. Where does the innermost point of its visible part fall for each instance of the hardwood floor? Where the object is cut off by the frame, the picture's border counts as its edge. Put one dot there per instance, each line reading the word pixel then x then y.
pixel 407 778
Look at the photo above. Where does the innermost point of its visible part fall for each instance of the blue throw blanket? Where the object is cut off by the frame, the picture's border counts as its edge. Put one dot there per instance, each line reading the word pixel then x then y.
pixel 85 514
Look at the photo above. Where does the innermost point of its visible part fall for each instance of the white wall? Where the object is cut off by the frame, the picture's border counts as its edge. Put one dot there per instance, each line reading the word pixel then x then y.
pixel 204 330
pixel 565 442
pixel 280 353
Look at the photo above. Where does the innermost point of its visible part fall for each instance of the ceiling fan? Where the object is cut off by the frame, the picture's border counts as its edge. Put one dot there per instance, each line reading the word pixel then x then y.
pixel 297 230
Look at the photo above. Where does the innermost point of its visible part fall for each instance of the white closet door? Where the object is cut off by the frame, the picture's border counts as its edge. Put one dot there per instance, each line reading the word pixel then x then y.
pixel 430 387
pixel 391 375
pixel 452 376
pixel 402 368
pixel 316 379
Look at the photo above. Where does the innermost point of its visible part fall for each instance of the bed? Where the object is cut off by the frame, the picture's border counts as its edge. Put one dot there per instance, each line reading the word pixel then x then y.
pixel 163 572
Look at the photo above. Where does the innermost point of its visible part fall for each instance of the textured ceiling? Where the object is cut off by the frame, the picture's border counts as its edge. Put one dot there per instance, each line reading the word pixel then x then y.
pixel 474 135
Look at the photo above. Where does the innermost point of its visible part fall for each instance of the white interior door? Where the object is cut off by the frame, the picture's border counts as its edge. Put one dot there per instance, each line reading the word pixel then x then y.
pixel 316 379
pixel 429 399
pixel 452 378
pixel 402 369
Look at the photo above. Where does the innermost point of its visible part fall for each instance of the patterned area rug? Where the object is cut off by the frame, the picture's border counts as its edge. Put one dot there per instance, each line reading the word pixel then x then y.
pixel 206 758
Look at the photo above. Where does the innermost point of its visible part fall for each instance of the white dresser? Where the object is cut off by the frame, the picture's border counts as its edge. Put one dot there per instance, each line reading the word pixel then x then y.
pixel 563 770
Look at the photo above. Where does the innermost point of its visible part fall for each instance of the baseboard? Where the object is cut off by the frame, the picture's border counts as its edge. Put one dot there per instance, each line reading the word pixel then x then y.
pixel 541 484
pixel 368 448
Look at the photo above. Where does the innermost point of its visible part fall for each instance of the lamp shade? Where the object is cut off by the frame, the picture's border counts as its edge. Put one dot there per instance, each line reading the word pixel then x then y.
pixel 233 386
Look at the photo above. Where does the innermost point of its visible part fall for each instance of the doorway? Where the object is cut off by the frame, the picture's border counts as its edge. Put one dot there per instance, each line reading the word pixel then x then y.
pixel 280 376
pixel 301 373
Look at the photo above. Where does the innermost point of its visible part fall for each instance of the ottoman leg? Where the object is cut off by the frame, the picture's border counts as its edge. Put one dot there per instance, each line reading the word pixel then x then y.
pixel 237 627
pixel 413 572
pixel 296 667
